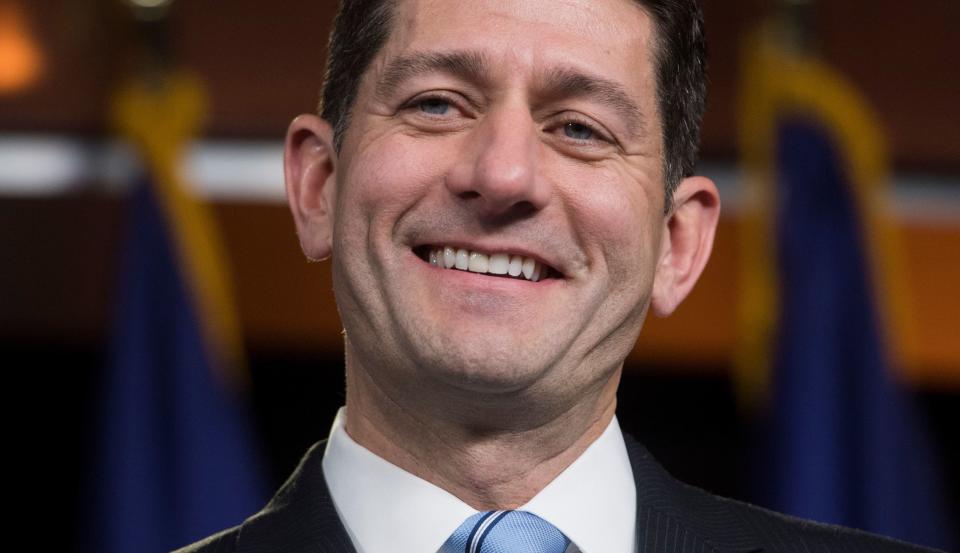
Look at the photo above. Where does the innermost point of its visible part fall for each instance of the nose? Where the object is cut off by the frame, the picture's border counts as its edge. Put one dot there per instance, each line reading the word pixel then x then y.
pixel 497 175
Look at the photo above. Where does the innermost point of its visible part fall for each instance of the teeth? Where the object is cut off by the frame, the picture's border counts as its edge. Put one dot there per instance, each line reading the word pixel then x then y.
pixel 499 263
pixel 516 266
pixel 463 260
pixel 528 268
pixel 478 263
pixel 495 264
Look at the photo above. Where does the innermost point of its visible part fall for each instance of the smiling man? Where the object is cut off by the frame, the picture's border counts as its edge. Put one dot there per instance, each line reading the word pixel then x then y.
pixel 505 190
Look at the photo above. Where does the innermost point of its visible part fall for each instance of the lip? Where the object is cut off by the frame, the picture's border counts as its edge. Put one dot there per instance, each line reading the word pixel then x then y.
pixel 556 270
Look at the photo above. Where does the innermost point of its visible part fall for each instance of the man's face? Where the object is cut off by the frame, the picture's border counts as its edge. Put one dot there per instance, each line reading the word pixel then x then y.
pixel 523 128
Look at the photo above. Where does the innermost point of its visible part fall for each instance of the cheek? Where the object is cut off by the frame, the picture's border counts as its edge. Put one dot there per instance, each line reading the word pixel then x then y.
pixel 618 219
pixel 395 174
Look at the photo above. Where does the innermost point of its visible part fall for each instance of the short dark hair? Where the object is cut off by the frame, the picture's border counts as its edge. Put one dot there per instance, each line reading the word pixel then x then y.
pixel 361 28
pixel 681 65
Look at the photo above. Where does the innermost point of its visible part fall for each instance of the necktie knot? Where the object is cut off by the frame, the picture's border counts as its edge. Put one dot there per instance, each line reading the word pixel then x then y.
pixel 506 532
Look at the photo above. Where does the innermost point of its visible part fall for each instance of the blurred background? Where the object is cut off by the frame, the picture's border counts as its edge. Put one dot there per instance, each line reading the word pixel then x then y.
pixel 171 354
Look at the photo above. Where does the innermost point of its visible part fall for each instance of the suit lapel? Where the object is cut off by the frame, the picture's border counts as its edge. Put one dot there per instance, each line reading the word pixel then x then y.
pixel 677 518
pixel 301 517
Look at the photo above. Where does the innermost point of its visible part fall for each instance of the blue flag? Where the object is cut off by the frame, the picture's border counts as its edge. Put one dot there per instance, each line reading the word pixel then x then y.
pixel 176 460
pixel 843 442
pixel 845 445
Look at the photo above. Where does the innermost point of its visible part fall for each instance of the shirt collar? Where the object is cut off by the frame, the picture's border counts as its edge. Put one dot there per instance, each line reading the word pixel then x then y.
pixel 386 509
pixel 594 500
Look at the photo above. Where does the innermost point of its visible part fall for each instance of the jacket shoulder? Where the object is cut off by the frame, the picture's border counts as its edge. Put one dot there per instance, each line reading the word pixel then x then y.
pixel 779 532
pixel 730 525
pixel 222 542
pixel 300 518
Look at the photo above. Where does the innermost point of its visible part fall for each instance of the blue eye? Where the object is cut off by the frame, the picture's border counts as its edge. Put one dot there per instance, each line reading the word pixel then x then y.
pixel 434 106
pixel 577 131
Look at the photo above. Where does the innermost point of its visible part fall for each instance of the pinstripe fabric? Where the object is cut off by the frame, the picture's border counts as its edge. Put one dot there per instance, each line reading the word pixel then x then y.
pixel 672 517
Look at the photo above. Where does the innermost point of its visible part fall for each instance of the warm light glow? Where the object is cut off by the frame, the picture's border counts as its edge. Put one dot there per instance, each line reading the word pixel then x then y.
pixel 150 3
pixel 20 58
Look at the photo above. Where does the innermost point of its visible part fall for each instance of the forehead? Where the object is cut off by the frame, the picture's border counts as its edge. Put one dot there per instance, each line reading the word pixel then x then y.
pixel 610 38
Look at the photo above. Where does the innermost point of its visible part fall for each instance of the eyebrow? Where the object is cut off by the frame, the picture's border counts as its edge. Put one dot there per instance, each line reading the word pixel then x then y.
pixel 558 82
pixel 466 65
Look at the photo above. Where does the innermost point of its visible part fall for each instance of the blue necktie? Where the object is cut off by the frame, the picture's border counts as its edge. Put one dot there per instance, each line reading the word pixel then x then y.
pixel 506 532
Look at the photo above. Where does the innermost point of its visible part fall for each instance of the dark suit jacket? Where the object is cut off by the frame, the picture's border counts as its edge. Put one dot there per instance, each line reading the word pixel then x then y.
pixel 672 517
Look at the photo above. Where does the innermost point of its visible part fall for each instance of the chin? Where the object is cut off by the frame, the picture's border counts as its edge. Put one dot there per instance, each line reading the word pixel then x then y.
pixel 483 367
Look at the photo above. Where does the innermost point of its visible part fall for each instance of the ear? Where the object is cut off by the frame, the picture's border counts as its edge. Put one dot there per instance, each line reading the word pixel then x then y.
pixel 309 168
pixel 687 242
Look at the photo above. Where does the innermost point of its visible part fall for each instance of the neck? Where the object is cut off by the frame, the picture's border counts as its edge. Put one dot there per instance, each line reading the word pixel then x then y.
pixel 495 453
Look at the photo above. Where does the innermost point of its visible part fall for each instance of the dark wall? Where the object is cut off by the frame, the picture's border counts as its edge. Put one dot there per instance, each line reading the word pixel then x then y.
pixel 262 66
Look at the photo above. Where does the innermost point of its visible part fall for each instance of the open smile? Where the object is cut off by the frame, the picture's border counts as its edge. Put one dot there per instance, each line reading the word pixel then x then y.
pixel 499 264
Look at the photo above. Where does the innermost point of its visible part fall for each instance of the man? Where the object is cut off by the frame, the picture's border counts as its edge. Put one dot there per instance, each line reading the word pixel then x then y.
pixel 504 189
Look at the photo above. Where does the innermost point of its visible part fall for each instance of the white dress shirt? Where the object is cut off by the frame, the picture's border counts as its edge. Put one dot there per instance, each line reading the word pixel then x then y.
pixel 386 509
